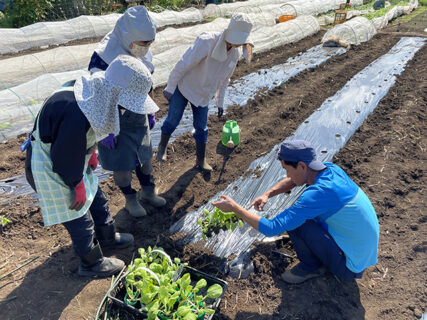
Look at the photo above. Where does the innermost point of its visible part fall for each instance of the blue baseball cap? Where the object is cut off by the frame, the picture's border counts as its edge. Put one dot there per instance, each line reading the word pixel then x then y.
pixel 300 150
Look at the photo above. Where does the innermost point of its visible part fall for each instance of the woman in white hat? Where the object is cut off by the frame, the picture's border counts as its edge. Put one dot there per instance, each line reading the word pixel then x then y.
pixel 131 150
pixel 204 72
pixel 61 158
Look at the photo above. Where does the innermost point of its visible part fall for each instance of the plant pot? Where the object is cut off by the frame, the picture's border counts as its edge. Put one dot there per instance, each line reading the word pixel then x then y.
pixel 117 294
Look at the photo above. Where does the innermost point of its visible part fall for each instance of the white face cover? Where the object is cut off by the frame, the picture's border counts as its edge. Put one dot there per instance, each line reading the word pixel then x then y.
pixel 139 51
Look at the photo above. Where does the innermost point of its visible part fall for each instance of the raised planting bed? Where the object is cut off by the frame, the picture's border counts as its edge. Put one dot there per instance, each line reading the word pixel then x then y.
pixel 155 287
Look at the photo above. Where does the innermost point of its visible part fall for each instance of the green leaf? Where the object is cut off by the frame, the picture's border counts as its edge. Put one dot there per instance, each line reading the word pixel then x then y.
pixel 190 316
pixel 183 311
pixel 163 293
pixel 209 311
pixel 214 291
pixel 185 281
pixel 201 284
pixel 177 261
pixel 240 224
pixel 157 268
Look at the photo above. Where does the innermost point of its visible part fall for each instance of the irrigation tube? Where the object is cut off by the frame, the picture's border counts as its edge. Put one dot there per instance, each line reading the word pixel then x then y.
pixel 328 129
pixel 237 94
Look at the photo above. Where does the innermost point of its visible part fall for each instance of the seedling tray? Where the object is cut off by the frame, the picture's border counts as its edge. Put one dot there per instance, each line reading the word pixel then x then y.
pixel 118 292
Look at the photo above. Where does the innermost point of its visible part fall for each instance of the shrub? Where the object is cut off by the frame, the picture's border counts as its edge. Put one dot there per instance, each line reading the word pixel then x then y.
pixel 25 12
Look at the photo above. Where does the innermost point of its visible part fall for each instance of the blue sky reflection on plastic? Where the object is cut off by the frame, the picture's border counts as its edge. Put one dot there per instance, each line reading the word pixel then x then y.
pixel 328 129
pixel 238 93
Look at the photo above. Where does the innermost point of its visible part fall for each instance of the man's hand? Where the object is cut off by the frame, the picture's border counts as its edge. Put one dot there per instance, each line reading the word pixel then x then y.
pixel 167 95
pixel 259 203
pixel 92 163
pixel 220 112
pixel 110 141
pixel 79 196
pixel 226 204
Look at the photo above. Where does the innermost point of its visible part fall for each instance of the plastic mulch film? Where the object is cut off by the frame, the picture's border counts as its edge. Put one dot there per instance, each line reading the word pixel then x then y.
pixel 328 129
pixel 52 33
pixel 397 11
pixel 237 94
pixel 18 99
pixel 227 9
pixel 354 31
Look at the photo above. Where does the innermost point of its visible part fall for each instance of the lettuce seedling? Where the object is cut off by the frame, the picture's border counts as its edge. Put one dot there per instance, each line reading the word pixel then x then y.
pixel 217 220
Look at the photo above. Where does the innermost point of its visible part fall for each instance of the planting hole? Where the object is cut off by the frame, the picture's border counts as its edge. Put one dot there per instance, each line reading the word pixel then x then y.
pixel 337 135
pixel 324 151
pixel 306 121
pixel 348 122
pixel 357 111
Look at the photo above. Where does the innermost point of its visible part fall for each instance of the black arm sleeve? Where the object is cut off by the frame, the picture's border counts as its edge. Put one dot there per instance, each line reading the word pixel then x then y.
pixel 65 127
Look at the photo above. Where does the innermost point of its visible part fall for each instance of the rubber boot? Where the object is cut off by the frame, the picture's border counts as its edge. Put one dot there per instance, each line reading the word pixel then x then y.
pixel 147 193
pixel 200 153
pixel 109 238
pixel 134 207
pixel 94 264
pixel 161 150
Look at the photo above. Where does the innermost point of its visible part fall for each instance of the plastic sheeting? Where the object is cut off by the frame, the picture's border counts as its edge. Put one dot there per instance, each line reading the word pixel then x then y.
pixel 313 7
pixel 18 99
pixel 328 129
pixel 238 93
pixel 354 31
pixel 247 87
pixel 20 69
pixel 52 33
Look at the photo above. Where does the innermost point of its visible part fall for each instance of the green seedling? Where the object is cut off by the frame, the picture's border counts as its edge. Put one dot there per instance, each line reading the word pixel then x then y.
pixel 217 220
pixel 154 280
pixel 4 221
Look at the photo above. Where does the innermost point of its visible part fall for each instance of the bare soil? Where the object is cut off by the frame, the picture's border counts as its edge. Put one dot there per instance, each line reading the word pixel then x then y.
pixel 386 157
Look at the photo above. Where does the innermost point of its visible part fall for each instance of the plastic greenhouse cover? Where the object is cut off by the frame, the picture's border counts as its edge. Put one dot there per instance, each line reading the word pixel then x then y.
pixel 328 129
pixel 17 101
pixel 354 31
pixel 237 94
pixel 52 33
pixel 17 70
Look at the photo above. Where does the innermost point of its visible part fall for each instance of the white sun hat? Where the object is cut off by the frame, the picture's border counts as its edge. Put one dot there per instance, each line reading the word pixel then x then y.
pixel 125 83
pixel 239 29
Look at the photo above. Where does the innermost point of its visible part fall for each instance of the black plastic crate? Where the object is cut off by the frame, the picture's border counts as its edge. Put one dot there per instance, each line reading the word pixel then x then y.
pixel 117 293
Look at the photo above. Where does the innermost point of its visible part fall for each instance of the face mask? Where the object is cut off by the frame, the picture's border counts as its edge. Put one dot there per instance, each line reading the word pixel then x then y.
pixel 139 51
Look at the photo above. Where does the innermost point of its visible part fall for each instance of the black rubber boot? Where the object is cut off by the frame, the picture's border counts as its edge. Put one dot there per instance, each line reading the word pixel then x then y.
pixel 148 193
pixel 94 264
pixel 161 150
pixel 200 153
pixel 109 238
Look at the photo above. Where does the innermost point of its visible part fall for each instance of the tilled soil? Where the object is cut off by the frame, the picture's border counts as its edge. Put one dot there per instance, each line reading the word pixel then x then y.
pixel 386 157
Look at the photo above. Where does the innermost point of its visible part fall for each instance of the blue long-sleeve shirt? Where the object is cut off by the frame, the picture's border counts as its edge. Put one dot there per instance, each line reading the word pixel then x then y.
pixel 342 209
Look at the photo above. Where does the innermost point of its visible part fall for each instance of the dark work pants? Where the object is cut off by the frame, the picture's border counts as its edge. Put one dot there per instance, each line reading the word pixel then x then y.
pixel 316 247
pixel 81 230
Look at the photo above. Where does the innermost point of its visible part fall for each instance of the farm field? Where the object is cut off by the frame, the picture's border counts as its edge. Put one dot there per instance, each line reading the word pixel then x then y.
pixel 386 157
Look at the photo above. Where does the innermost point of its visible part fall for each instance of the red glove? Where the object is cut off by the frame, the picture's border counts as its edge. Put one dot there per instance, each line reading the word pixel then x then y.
pixel 93 162
pixel 79 196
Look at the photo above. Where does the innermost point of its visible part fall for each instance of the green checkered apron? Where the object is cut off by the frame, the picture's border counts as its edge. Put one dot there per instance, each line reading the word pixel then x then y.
pixel 54 195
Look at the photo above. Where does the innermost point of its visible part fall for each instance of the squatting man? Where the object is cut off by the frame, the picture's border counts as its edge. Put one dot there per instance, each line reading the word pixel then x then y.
pixel 333 225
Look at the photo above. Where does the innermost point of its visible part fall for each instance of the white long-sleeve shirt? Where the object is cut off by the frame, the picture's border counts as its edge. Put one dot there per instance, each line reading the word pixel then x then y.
pixel 199 76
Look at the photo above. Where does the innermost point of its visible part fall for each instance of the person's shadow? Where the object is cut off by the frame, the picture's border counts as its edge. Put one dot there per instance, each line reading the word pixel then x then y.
pixel 326 297
pixel 39 290
pixel 225 152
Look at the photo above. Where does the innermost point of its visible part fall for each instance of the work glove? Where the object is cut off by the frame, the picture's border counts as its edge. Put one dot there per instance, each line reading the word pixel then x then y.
pixel 93 163
pixel 151 120
pixel 110 141
pixel 167 95
pixel 220 112
pixel 79 194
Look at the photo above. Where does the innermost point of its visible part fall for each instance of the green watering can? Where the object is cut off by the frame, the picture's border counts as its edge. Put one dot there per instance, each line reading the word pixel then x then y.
pixel 230 134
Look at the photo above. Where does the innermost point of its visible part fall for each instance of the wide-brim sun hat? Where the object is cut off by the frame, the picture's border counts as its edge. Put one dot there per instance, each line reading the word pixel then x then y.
pixel 125 83
pixel 239 29
pixel 134 78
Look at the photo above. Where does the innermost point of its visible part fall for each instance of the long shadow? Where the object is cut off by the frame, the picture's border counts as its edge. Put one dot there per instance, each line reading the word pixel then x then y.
pixel 225 152
pixel 39 290
pixel 325 297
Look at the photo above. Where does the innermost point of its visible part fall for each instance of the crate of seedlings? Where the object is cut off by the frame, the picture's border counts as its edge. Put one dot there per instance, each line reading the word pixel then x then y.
pixel 155 287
